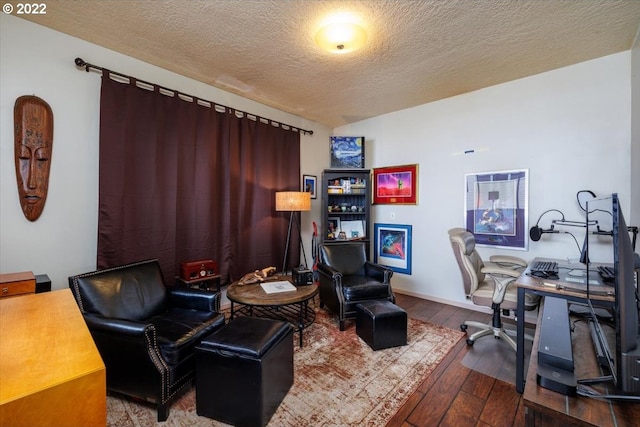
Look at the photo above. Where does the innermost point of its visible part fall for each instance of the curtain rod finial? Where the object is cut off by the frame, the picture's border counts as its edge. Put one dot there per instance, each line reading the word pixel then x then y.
pixel 80 63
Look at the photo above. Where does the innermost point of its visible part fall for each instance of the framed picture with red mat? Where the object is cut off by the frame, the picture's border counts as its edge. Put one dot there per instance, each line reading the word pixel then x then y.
pixel 395 185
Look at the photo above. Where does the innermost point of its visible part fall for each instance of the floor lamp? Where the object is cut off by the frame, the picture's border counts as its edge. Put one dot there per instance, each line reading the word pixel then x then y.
pixel 293 201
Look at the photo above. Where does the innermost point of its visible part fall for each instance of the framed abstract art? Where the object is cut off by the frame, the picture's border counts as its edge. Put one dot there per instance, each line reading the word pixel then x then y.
pixel 392 246
pixel 496 208
pixel 395 185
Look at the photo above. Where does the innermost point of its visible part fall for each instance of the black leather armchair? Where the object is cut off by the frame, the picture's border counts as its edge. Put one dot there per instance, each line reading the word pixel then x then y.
pixel 347 278
pixel 146 333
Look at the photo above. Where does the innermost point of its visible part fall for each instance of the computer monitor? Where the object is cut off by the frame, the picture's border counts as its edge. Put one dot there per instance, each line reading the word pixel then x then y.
pixel 584 255
pixel 611 244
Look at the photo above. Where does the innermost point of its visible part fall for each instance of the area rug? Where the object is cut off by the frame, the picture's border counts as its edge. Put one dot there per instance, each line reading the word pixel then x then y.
pixel 339 380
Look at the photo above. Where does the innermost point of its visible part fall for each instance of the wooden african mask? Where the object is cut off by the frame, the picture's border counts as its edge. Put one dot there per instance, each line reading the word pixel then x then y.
pixel 33 143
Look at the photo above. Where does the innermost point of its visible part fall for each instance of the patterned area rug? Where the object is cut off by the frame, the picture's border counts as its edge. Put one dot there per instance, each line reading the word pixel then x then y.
pixel 339 380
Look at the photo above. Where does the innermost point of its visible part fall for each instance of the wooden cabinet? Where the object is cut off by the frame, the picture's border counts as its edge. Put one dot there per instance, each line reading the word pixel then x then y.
pixel 346 205
pixel 14 284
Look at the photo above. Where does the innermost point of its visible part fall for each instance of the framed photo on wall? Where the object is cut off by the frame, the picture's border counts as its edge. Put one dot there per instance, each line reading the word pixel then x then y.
pixel 395 185
pixel 392 246
pixel 309 185
pixel 347 151
pixel 496 208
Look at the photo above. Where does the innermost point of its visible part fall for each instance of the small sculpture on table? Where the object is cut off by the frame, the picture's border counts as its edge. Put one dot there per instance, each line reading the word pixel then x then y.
pixel 257 276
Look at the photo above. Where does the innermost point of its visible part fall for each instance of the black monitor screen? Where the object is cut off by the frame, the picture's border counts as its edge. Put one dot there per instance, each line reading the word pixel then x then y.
pixel 610 243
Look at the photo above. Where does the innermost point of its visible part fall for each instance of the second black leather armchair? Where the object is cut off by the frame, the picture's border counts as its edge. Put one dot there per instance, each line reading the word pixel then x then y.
pixel 347 278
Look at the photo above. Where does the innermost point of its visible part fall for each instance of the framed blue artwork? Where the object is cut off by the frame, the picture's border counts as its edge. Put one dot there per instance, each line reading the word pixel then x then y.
pixel 309 184
pixel 392 247
pixel 347 152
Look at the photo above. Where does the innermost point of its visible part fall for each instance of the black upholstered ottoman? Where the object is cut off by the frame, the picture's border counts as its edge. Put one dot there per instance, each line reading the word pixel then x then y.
pixel 381 324
pixel 244 370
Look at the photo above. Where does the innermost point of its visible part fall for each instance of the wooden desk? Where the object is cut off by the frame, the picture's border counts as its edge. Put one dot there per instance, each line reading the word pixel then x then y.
pixel 550 409
pixel 50 370
pixel 556 288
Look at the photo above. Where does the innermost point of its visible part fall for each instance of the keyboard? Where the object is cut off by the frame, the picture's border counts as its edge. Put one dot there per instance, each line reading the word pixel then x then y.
pixel 547 267
pixel 607 274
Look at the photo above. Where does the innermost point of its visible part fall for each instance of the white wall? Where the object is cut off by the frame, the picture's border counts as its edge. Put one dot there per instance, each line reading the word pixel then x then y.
pixel 569 127
pixel 36 60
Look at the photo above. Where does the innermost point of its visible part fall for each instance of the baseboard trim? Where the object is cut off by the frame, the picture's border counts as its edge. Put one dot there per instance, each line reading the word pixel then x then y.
pixel 530 317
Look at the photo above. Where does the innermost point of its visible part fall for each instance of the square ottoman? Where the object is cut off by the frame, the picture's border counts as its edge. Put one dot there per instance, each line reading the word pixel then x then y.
pixel 244 370
pixel 381 324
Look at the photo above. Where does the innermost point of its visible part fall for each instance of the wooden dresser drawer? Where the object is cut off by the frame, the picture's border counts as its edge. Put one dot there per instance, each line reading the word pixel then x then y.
pixel 14 284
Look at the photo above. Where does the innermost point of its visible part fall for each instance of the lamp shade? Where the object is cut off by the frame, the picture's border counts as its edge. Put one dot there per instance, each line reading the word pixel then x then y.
pixel 293 201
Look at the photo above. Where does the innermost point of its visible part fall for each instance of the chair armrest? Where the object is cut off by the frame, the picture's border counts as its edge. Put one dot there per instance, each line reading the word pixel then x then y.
pixel 509 260
pixel 503 277
pixel 490 269
pixel 127 346
pixel 378 272
pixel 328 271
pixel 330 287
pixel 115 326
pixel 194 299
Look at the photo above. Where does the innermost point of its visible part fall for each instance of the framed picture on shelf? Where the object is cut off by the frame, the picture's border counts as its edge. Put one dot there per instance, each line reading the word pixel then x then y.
pixel 347 151
pixel 392 246
pixel 496 208
pixel 353 229
pixel 395 185
pixel 333 228
pixel 309 185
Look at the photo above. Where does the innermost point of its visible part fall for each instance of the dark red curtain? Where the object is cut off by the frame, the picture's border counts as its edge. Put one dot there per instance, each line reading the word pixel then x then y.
pixel 180 181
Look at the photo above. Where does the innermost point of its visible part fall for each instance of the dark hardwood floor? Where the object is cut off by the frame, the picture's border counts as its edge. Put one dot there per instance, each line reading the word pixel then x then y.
pixel 454 395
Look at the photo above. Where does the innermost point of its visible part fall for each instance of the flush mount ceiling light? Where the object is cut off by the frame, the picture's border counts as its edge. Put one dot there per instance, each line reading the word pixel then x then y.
pixel 341 37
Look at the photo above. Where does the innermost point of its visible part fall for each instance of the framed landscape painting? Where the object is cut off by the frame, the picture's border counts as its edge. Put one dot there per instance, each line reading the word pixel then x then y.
pixel 392 246
pixel 347 152
pixel 395 185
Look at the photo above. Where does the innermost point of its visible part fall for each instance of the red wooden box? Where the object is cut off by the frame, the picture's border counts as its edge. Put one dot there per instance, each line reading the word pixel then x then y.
pixel 190 270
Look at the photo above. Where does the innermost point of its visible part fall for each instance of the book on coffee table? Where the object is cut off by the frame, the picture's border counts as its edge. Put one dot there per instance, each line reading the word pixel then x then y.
pixel 275 287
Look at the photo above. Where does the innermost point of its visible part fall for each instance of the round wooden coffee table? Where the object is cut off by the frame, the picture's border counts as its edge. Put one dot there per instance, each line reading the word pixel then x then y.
pixel 291 306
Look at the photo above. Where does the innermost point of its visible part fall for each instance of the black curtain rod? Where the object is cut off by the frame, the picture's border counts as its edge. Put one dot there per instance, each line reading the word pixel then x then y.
pixel 88 67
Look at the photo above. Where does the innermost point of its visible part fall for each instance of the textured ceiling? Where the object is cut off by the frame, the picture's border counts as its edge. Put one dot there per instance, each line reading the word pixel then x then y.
pixel 417 51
